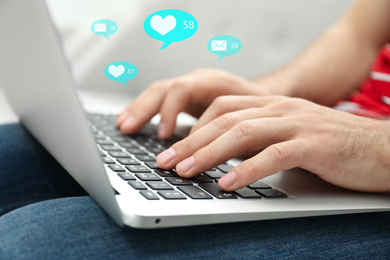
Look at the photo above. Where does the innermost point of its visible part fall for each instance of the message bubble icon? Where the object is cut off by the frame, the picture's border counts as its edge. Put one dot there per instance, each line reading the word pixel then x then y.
pixel 121 71
pixel 170 26
pixel 224 45
pixel 104 28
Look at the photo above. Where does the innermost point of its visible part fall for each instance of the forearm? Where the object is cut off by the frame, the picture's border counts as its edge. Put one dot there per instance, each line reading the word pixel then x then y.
pixel 334 66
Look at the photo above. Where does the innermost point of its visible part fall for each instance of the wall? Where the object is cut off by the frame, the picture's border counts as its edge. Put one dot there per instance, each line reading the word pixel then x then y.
pixel 271 31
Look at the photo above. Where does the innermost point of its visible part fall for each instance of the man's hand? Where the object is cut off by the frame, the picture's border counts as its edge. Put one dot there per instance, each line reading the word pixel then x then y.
pixel 191 93
pixel 347 150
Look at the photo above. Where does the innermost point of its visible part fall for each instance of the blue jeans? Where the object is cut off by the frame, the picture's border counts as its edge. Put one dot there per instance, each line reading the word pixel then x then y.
pixel 46 215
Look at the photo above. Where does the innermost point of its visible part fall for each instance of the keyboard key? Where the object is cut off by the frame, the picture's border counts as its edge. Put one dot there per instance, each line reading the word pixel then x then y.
pixel 169 195
pixel 140 138
pixel 194 192
pixel 167 143
pixel 116 168
pixel 136 151
pixel 107 160
pixel 216 191
pixel 152 165
pixel 113 133
pixel 272 194
pixel 104 141
pixel 137 185
pixel 225 167
pixel 159 185
pixel 110 148
pixel 128 161
pixel 178 181
pixel 119 139
pixel 119 154
pixel 126 176
pixel 137 168
pixel 259 185
pixel 155 151
pixel 109 127
pixel 145 158
pixel 201 178
pixel 128 145
pixel 247 193
pixel 166 173
pixel 217 174
pixel 149 195
pixel 148 177
pixel 150 145
pixel 98 136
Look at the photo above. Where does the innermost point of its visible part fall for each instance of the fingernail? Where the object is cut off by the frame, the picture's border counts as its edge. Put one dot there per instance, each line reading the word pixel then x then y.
pixel 186 165
pixel 228 180
pixel 162 129
pixel 129 123
pixel 166 156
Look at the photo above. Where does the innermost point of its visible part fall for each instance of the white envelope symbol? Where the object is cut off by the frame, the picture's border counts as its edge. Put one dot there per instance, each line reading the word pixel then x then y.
pixel 100 27
pixel 218 45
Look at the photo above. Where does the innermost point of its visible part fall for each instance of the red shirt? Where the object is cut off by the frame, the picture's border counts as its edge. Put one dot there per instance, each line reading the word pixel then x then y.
pixel 374 94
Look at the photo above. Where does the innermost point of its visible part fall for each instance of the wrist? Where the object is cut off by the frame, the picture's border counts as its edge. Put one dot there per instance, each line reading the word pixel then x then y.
pixel 280 82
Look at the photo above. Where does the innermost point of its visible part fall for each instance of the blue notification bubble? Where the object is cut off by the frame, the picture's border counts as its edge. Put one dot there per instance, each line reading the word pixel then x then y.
pixel 224 45
pixel 121 71
pixel 170 26
pixel 104 28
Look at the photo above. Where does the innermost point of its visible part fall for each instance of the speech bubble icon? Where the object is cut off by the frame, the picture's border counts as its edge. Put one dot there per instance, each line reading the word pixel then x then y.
pixel 104 28
pixel 170 26
pixel 121 71
pixel 224 45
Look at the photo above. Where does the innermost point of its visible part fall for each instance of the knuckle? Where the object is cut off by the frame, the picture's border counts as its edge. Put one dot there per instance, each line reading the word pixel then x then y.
pixel 178 83
pixel 156 86
pixel 221 101
pixel 279 153
pixel 184 145
pixel 223 122
pixel 247 172
pixel 244 129
pixel 221 105
pixel 293 103
pixel 207 153
pixel 249 168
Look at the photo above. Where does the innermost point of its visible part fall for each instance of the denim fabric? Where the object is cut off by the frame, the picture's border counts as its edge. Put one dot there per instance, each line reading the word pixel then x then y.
pixel 28 173
pixel 76 228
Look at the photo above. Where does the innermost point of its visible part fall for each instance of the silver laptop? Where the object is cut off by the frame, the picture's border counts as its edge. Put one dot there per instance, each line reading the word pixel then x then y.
pixel 118 171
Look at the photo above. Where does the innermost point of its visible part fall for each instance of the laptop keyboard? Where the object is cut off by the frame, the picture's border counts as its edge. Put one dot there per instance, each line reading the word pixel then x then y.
pixel 133 158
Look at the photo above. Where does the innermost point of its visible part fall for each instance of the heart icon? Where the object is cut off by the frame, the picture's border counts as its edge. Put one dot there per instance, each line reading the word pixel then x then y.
pixel 116 71
pixel 163 26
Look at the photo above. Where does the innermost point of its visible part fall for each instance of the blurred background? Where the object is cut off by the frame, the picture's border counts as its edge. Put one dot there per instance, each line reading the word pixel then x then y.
pixel 272 32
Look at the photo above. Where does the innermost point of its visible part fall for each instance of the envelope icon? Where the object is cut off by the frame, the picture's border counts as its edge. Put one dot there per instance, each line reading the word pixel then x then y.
pixel 100 27
pixel 220 45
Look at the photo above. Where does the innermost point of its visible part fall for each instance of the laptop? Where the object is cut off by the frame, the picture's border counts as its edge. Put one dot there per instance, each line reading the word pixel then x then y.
pixel 119 171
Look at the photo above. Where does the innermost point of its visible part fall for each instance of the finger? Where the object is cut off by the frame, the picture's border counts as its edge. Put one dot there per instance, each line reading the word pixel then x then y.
pixel 147 105
pixel 121 117
pixel 226 104
pixel 209 133
pixel 275 158
pixel 175 101
pixel 247 136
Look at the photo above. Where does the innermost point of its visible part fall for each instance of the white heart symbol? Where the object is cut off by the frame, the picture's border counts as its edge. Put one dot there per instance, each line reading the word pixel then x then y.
pixel 116 71
pixel 163 26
